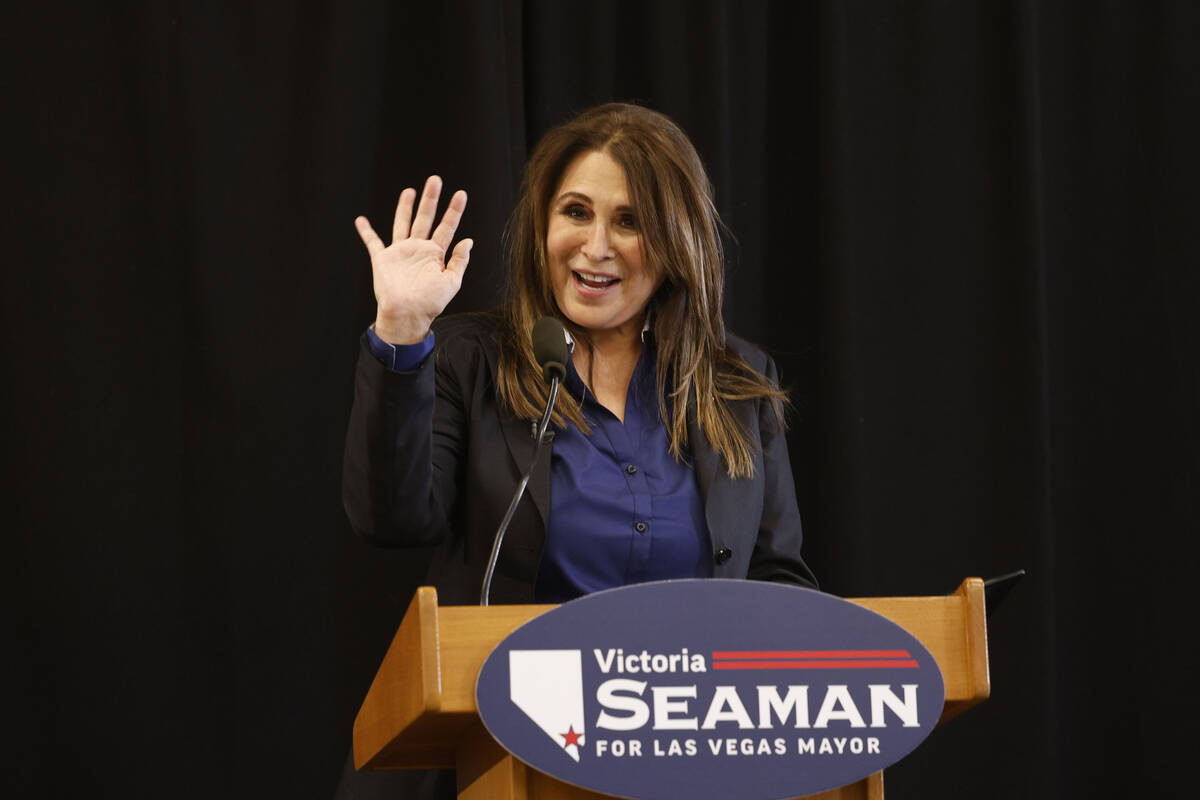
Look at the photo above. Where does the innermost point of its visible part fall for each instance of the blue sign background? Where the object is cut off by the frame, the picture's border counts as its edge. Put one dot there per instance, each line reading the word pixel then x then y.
pixel 707 617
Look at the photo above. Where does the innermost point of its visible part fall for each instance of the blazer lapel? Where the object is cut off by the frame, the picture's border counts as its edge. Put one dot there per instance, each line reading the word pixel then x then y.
pixel 519 438
pixel 707 462
pixel 714 483
pixel 728 503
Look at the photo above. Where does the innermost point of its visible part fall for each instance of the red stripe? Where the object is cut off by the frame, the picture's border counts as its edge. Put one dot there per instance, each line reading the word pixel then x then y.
pixel 829 664
pixel 777 654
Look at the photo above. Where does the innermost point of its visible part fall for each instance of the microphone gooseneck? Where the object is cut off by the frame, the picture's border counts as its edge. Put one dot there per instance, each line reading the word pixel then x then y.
pixel 550 350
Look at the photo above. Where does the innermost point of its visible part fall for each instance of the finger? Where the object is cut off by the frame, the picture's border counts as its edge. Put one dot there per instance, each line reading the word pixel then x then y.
pixel 460 257
pixel 403 215
pixel 444 234
pixel 423 223
pixel 368 235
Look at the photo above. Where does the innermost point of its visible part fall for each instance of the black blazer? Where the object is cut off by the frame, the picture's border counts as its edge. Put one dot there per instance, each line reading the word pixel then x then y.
pixel 432 459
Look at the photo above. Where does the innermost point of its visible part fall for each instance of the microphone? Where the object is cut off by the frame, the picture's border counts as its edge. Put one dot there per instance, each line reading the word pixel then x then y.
pixel 550 350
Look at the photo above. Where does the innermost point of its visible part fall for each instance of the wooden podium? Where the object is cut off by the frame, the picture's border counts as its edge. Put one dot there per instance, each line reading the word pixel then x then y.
pixel 420 710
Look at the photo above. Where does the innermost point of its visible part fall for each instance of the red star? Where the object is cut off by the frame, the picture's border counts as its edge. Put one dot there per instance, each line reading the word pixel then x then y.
pixel 571 736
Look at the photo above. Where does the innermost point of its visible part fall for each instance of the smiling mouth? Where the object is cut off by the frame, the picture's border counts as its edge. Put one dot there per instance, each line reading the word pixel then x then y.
pixel 594 281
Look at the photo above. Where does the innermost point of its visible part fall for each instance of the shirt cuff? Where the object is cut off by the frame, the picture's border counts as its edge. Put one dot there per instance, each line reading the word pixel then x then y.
pixel 399 357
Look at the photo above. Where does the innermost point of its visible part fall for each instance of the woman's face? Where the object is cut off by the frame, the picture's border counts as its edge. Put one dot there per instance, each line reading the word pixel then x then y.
pixel 594 249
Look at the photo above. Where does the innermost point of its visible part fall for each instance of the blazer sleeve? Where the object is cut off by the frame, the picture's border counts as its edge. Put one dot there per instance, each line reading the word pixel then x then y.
pixel 776 555
pixel 404 443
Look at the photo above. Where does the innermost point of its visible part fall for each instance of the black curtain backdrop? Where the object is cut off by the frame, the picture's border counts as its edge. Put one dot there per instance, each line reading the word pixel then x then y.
pixel 964 229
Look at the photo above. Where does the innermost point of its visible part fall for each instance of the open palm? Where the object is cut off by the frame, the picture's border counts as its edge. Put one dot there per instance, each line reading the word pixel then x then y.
pixel 413 280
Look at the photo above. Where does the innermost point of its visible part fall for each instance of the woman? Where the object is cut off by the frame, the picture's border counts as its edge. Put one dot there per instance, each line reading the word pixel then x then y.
pixel 669 458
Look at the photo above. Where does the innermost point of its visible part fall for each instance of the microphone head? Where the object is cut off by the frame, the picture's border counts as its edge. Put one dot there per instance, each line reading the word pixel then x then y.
pixel 550 348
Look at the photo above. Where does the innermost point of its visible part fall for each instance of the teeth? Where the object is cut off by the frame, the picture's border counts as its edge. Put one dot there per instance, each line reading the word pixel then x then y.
pixel 596 278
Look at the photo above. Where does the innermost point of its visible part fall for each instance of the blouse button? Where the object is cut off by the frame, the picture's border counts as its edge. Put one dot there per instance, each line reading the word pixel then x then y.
pixel 631 469
pixel 640 527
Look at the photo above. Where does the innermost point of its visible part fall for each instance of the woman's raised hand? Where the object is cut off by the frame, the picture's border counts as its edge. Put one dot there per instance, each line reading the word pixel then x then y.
pixel 413 280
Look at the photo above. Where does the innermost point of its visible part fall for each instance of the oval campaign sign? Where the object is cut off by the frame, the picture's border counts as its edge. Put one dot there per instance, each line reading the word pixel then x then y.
pixel 709 688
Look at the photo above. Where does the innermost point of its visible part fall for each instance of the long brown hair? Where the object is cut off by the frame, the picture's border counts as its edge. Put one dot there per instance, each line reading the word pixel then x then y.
pixel 680 235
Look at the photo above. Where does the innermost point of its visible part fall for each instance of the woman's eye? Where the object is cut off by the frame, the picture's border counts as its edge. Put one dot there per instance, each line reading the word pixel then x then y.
pixel 628 221
pixel 575 211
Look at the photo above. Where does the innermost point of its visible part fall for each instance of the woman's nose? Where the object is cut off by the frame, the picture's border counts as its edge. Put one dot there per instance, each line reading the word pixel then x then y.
pixel 596 247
